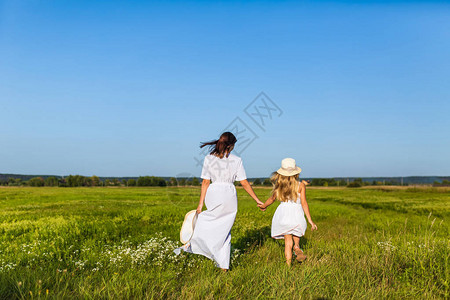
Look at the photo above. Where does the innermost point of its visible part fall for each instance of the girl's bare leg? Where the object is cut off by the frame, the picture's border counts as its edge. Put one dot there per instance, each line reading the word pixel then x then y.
pixel 296 241
pixel 300 256
pixel 288 248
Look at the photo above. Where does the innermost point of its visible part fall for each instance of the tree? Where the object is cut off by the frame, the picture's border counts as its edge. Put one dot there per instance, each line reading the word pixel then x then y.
pixel 172 181
pixel 71 181
pixel 95 180
pixel 267 182
pixel 51 181
pixel 195 181
pixel 78 180
pixel 62 182
pixel 131 182
pixel 144 181
pixel 14 181
pixel 107 182
pixel 151 181
pixel 36 181
pixel 161 181
pixel 357 182
pixel 257 181
pixel 87 181
pixel 316 182
pixel 322 181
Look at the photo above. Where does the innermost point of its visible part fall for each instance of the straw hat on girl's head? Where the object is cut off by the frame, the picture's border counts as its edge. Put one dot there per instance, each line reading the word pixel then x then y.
pixel 288 167
pixel 187 229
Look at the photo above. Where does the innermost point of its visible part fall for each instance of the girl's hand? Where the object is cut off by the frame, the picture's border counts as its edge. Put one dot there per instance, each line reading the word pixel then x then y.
pixel 199 209
pixel 262 207
pixel 313 226
pixel 259 203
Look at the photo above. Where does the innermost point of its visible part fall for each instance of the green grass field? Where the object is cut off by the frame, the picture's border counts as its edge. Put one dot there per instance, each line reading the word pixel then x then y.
pixel 117 243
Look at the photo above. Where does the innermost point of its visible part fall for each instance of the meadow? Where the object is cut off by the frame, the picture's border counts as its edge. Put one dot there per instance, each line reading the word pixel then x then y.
pixel 98 243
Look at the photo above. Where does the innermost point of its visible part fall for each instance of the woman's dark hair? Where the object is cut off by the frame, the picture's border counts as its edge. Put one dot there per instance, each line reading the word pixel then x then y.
pixel 222 146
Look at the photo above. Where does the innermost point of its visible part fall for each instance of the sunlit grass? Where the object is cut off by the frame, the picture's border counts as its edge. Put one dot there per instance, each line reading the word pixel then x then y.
pixel 118 242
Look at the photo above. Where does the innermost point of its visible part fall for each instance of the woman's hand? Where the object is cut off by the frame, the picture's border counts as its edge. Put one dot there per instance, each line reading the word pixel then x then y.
pixel 306 182
pixel 262 206
pixel 313 226
pixel 205 185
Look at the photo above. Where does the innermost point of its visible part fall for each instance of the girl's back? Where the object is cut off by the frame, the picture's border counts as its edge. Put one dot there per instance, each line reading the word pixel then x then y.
pixel 289 218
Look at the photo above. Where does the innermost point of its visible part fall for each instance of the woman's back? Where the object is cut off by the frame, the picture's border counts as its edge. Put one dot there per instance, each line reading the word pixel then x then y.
pixel 227 169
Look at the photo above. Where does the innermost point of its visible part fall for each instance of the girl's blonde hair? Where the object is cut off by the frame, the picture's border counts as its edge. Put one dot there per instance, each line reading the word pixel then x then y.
pixel 285 188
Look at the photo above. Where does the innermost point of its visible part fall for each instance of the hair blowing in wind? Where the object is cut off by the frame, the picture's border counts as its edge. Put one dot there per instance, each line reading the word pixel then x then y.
pixel 223 146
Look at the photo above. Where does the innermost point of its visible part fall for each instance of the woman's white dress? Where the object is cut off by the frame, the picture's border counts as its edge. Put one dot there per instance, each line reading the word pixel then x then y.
pixel 289 218
pixel 212 233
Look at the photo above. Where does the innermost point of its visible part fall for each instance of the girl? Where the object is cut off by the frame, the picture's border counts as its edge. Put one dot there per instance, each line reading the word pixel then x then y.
pixel 212 237
pixel 289 221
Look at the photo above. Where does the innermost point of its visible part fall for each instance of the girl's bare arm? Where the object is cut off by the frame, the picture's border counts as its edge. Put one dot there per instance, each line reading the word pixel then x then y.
pixel 205 185
pixel 267 203
pixel 305 205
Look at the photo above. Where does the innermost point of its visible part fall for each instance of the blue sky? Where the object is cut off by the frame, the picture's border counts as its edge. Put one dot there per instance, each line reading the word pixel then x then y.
pixel 120 88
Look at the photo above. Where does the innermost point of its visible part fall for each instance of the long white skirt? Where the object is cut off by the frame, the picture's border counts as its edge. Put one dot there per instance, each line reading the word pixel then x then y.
pixel 212 233
pixel 289 218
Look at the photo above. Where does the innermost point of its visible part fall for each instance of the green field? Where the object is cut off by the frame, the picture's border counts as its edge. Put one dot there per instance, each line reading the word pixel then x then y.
pixel 117 243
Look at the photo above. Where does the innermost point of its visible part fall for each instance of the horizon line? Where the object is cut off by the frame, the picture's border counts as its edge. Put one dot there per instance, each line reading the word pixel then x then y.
pixel 249 177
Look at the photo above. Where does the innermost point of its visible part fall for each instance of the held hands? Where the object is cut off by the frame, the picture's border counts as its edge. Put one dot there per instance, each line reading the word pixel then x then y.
pixel 268 202
pixel 262 206
pixel 259 204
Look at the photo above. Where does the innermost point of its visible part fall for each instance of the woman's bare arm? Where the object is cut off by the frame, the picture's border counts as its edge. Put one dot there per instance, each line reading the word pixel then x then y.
pixel 248 188
pixel 305 205
pixel 205 185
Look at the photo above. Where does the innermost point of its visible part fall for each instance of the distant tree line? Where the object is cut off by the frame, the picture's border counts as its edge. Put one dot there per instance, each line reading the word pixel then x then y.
pixel 194 181
pixel 357 182
pixel 93 181
pixel 79 180
pixel 262 182
pixel 84 181
pixel 443 183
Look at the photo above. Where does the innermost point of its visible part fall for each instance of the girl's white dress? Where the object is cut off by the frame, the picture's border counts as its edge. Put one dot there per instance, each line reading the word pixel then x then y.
pixel 289 218
pixel 212 237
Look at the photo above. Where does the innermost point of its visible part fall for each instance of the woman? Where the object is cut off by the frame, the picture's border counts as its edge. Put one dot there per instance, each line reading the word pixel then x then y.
pixel 212 237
